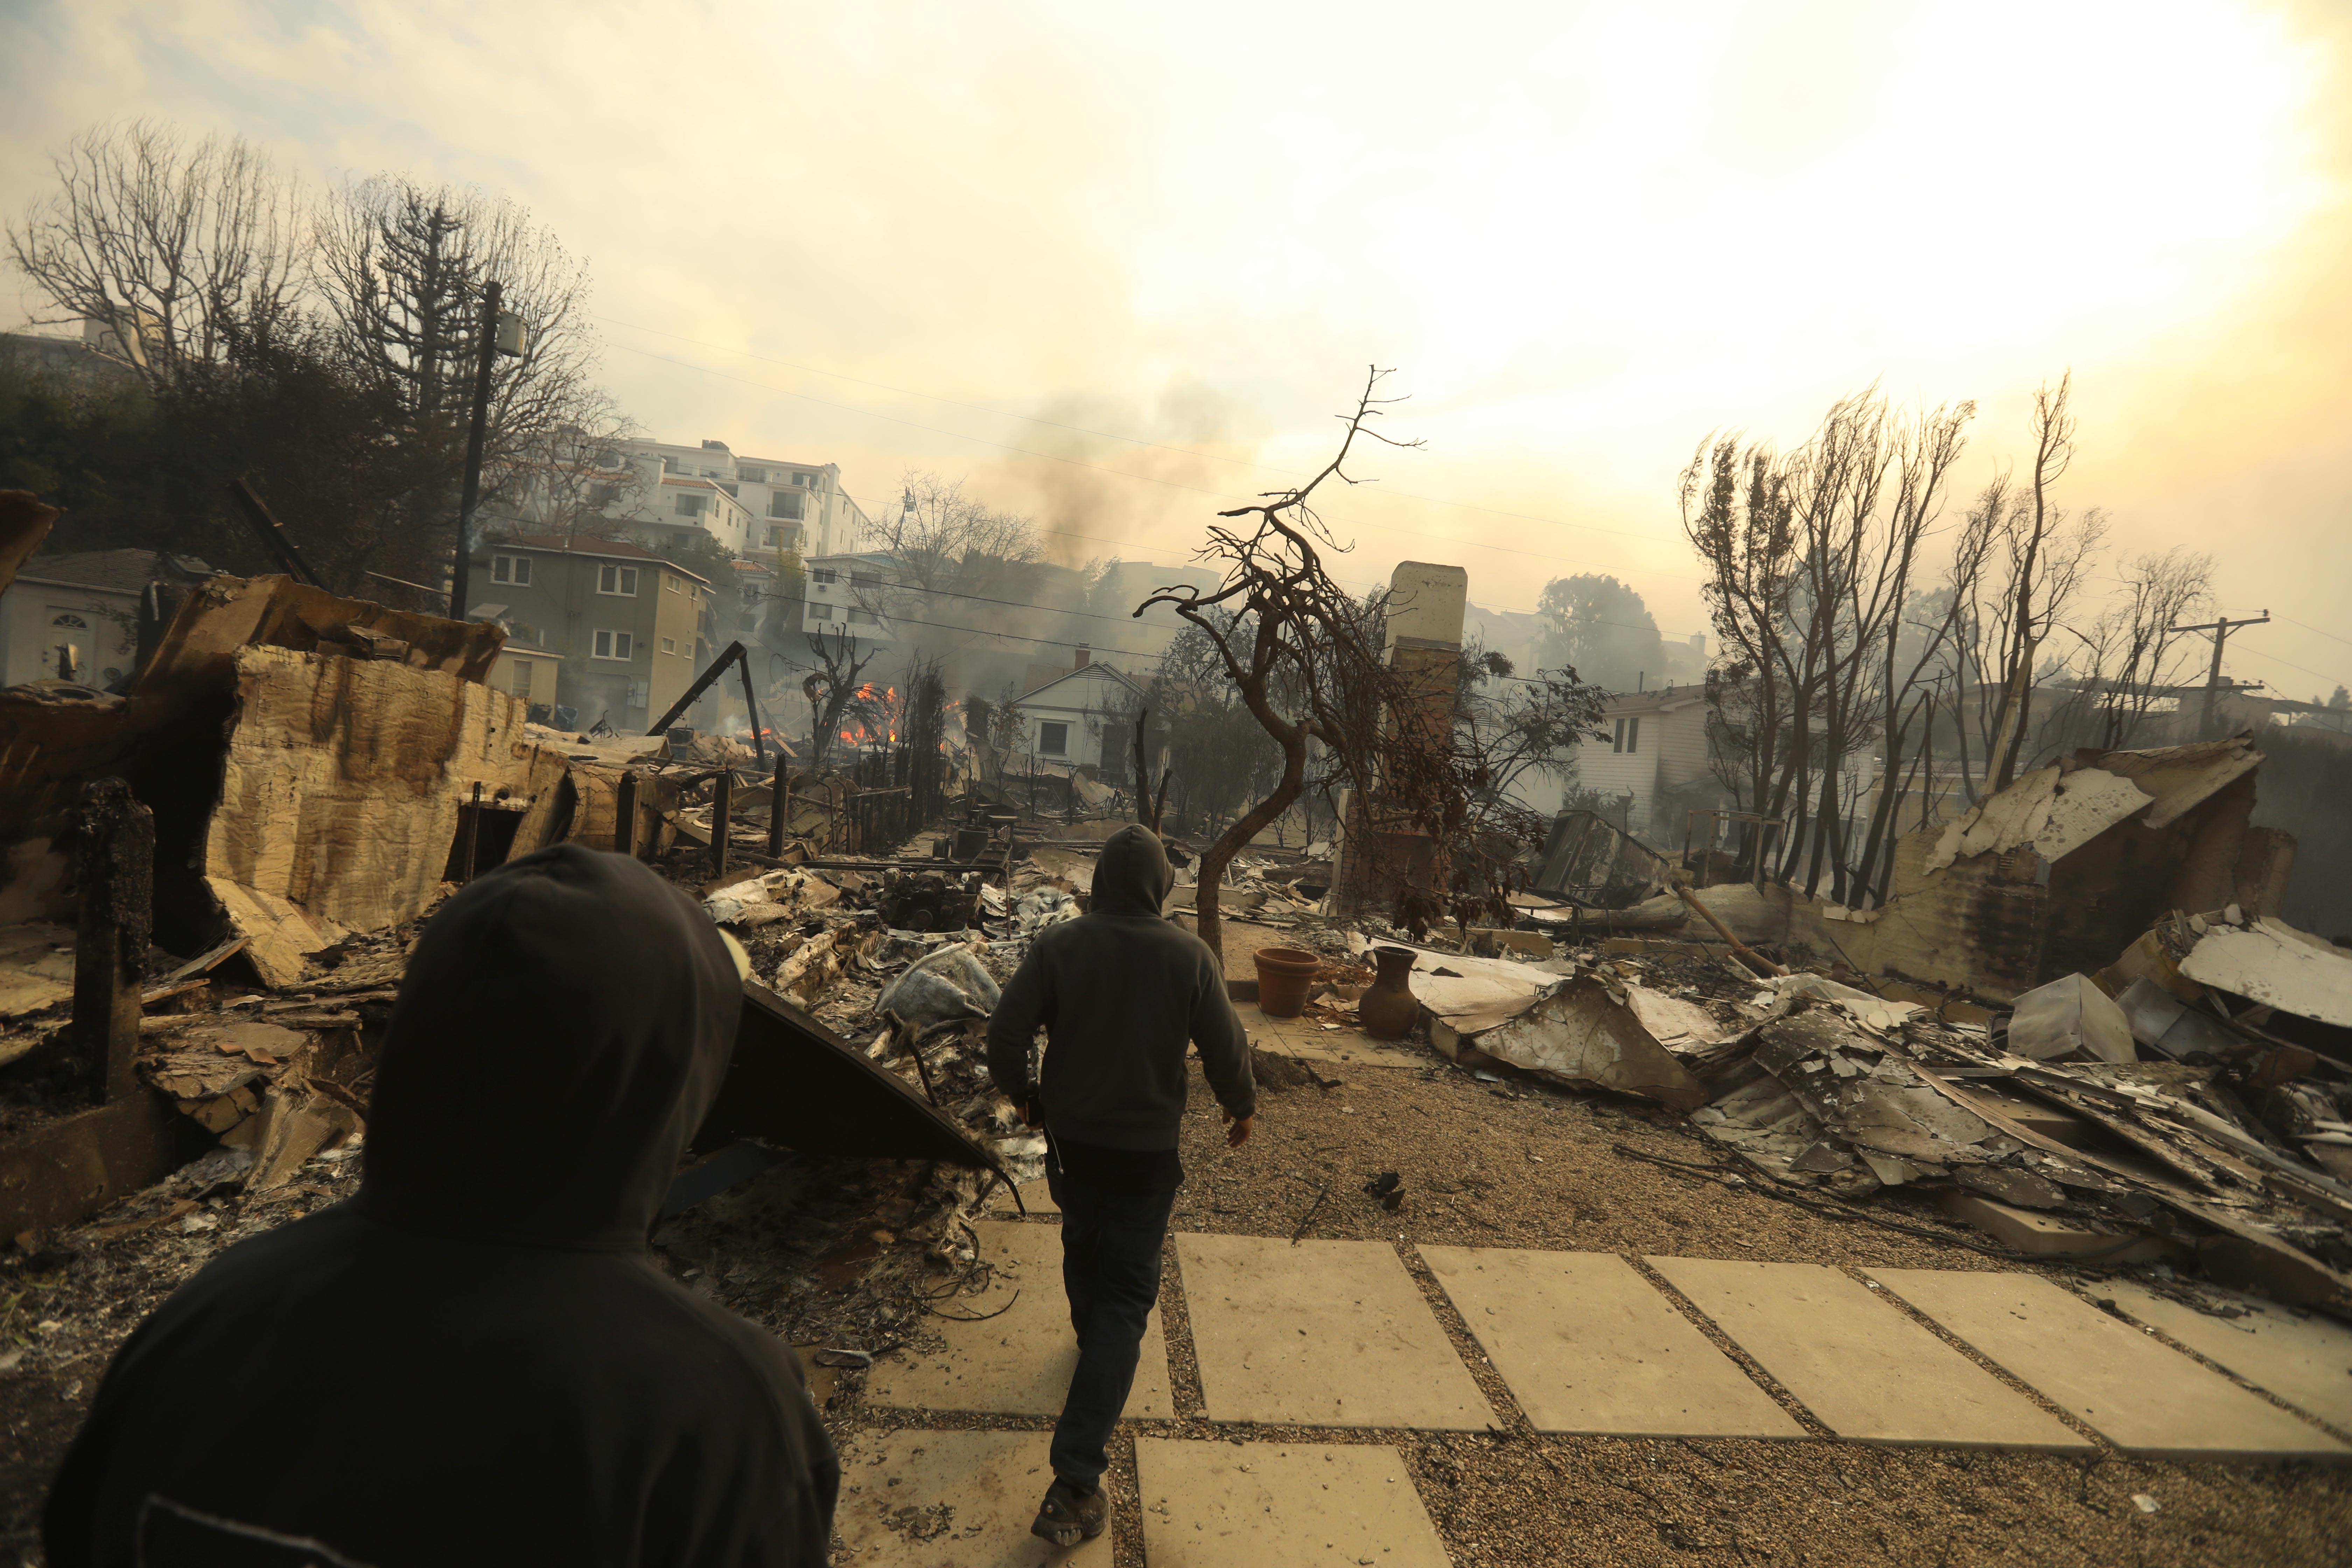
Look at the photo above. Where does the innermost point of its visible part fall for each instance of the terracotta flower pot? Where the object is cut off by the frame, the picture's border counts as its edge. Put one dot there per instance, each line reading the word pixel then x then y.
pixel 1388 1009
pixel 1283 975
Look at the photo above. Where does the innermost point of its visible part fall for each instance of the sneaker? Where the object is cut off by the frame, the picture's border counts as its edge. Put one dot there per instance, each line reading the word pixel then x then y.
pixel 1068 1516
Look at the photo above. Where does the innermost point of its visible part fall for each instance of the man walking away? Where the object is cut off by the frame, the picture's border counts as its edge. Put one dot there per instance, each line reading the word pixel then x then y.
pixel 474 1363
pixel 1119 992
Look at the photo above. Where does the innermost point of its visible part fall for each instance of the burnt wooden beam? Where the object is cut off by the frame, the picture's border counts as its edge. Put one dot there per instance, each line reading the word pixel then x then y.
pixel 624 815
pixel 271 532
pixel 116 877
pixel 717 667
pixel 722 818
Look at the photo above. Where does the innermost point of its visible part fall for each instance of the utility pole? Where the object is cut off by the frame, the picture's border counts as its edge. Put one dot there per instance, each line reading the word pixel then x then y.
pixel 501 334
pixel 2218 631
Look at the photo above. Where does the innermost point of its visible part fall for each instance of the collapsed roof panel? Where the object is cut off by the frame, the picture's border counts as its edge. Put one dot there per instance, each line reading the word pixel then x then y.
pixel 795 1082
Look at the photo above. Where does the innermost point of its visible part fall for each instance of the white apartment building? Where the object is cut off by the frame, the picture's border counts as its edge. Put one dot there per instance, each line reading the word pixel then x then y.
pixel 753 506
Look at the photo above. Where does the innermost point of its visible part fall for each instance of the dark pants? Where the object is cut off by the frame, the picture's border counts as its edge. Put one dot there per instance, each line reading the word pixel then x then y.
pixel 1111 1238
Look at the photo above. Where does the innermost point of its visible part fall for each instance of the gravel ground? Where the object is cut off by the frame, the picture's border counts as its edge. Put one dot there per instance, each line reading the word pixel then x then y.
pixel 1515 1165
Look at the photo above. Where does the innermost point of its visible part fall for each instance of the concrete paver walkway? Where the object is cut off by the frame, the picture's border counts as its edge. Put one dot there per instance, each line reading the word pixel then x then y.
pixel 2140 1394
pixel 1588 1345
pixel 1016 1357
pixel 1321 1333
pixel 1338 1333
pixel 2304 1359
pixel 949 1499
pixel 1857 1362
pixel 1213 1505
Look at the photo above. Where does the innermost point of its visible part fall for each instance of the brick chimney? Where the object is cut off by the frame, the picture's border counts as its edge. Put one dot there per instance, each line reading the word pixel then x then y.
pixel 1084 658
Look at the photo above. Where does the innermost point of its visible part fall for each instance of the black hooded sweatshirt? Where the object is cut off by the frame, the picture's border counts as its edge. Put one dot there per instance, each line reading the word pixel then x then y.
pixel 1119 991
pixel 474 1361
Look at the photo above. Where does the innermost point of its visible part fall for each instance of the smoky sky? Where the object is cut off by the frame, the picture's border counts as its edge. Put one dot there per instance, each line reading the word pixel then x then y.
pixel 1119 266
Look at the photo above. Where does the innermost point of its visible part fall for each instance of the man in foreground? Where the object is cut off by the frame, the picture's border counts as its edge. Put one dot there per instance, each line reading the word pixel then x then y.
pixel 473 1362
pixel 1118 990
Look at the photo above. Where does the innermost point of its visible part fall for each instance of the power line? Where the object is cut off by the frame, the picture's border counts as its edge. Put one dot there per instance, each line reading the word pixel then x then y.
pixel 2330 635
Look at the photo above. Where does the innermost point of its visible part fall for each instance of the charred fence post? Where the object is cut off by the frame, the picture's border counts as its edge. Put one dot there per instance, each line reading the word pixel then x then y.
pixel 624 815
pixel 780 807
pixel 471 855
pixel 117 876
pixel 722 809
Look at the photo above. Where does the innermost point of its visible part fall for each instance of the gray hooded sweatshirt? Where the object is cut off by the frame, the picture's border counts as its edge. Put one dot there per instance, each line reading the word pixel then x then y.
pixel 1119 991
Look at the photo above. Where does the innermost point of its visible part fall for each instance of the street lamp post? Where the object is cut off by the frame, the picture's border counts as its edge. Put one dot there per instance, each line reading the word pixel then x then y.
pixel 501 334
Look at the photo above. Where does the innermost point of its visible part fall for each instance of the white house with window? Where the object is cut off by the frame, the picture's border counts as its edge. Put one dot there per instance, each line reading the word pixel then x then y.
pixel 851 595
pixel 1656 745
pixel 1084 716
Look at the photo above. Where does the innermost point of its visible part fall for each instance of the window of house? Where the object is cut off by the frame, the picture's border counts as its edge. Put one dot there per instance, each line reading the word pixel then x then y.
pixel 669 645
pixel 864 579
pixel 620 580
pixel 779 536
pixel 672 466
pixel 604 495
pixel 615 645
pixel 824 575
pixel 1628 736
pixel 858 618
pixel 514 569
pixel 789 504
pixel 752 476
pixel 522 678
pixel 670 582
pixel 1054 740
pixel 729 488
pixel 803 478
pixel 690 506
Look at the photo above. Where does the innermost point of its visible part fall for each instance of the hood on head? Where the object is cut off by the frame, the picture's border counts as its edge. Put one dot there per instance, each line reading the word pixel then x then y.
pixel 1132 875
pixel 562 1032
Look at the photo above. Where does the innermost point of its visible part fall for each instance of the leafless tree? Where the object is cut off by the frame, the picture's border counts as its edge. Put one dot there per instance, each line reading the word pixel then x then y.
pixel 1811 559
pixel 400 269
pixel 177 247
pixel 2129 662
pixel 2047 553
pixel 836 689
pixel 1279 625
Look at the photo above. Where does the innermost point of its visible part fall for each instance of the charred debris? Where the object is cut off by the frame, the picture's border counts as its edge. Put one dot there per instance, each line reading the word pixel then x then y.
pixel 2076 1025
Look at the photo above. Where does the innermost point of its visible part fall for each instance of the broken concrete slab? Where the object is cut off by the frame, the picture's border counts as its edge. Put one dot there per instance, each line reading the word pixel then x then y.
pixel 949 1499
pixel 1588 1345
pixel 1320 1333
pixel 2135 1391
pixel 1213 1505
pixel 1867 1371
pixel 1017 1359
pixel 2301 1357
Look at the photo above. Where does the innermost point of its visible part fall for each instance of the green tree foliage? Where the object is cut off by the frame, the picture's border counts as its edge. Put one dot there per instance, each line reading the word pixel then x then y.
pixel 1601 630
